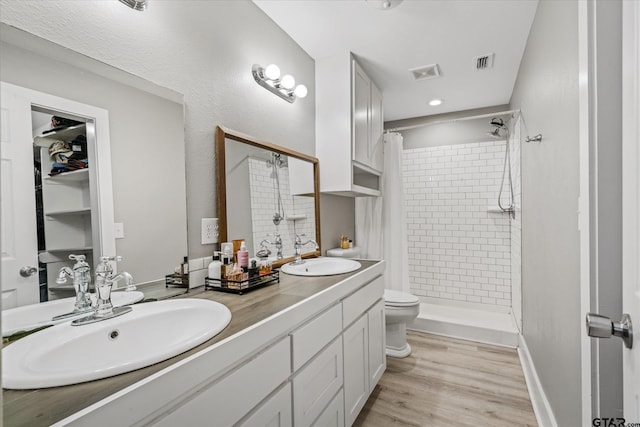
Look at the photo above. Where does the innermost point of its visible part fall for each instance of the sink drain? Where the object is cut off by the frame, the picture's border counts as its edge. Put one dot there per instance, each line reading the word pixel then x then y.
pixel 114 334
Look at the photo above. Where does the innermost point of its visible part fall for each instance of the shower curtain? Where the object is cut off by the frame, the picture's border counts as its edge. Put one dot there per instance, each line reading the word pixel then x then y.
pixel 381 231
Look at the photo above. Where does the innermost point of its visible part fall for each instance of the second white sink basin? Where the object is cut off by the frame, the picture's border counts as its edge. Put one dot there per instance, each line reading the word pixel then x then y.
pixel 323 266
pixel 34 316
pixel 150 333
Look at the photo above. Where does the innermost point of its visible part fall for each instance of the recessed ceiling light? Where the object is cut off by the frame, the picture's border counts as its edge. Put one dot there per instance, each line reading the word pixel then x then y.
pixel 383 4
pixel 435 102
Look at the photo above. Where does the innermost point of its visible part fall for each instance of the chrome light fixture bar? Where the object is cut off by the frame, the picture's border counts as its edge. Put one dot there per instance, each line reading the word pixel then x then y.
pixel 136 4
pixel 269 78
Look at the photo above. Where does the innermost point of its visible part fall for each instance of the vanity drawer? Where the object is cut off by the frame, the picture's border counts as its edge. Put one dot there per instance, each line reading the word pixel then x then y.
pixel 316 385
pixel 226 401
pixel 275 412
pixel 354 305
pixel 333 414
pixel 310 338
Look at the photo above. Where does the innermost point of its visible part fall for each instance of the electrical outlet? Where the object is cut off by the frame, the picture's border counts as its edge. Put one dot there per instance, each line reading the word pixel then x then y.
pixel 209 231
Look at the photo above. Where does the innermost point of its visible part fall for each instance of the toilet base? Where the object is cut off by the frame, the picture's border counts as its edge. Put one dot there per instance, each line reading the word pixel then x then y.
pixel 398 353
pixel 396 340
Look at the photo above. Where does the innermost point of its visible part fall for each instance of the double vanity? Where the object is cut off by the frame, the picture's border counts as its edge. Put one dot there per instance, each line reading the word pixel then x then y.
pixel 305 351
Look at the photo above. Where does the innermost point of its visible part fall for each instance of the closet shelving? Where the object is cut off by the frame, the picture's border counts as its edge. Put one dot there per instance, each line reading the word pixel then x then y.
pixel 66 208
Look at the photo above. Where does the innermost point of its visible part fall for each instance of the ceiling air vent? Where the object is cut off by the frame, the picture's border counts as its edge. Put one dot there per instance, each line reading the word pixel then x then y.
pixel 425 72
pixel 485 61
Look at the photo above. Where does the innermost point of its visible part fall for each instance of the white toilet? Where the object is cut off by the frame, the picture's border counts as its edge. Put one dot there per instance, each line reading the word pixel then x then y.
pixel 400 308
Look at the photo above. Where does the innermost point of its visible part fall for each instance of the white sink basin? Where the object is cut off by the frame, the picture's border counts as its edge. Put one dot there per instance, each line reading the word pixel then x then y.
pixel 152 332
pixel 34 316
pixel 323 266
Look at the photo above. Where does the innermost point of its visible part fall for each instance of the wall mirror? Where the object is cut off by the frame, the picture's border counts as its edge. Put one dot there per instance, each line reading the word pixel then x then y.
pixel 146 126
pixel 266 191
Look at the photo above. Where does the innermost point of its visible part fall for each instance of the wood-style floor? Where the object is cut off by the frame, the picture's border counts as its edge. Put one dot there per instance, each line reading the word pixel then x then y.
pixel 450 382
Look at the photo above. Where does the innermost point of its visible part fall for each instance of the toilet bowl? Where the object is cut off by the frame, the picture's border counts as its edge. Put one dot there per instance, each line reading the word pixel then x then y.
pixel 400 308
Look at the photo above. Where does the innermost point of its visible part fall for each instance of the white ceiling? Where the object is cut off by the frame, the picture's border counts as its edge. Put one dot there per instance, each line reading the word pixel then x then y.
pixel 450 33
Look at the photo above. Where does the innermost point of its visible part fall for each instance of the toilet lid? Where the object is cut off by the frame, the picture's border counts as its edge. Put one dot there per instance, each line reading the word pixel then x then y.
pixel 399 299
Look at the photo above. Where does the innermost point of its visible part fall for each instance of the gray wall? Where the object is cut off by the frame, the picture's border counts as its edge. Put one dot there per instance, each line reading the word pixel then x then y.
pixel 337 217
pixel 147 155
pixel 203 49
pixel 546 92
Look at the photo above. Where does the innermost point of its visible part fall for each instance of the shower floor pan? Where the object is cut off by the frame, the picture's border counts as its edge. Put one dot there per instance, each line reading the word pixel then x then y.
pixel 466 323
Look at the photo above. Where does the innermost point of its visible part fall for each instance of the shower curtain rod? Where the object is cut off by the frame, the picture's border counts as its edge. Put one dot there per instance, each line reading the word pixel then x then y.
pixel 439 122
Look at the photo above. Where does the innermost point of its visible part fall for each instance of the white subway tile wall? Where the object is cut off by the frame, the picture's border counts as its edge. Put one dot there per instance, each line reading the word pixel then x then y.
pixel 264 199
pixel 458 250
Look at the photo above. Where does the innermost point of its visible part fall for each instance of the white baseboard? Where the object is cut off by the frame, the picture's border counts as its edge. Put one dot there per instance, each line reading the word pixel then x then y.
pixel 541 406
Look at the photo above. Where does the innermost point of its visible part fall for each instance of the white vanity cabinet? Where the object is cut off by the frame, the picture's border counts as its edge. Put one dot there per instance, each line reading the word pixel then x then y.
pixel 364 348
pixel 226 401
pixel 349 127
pixel 298 367
pixel 274 412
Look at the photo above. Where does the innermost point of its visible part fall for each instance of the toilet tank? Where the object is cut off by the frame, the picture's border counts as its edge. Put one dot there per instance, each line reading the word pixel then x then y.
pixel 353 252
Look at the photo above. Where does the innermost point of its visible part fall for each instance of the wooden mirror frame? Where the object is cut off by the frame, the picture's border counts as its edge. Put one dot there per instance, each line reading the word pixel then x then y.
pixel 222 134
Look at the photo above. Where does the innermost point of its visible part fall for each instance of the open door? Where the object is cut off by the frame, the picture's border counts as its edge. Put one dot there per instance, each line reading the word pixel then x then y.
pixel 631 202
pixel 19 242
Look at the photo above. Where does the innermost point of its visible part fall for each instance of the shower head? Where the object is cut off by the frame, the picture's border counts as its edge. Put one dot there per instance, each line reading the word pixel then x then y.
pixel 499 125
pixel 495 133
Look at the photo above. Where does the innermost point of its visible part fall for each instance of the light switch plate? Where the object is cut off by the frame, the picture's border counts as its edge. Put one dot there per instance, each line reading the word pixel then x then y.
pixel 209 231
pixel 118 230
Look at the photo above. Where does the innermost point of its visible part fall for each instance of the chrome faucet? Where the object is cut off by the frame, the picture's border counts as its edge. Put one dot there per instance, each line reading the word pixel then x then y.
pixel 277 243
pixel 104 282
pixel 298 247
pixel 81 275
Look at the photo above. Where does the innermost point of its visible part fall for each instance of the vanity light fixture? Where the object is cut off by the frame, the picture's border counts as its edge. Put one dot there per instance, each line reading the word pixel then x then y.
pixel 285 87
pixel 136 4
pixel 435 102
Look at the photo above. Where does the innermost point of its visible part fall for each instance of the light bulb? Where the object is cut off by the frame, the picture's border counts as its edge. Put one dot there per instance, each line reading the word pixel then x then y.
pixel 300 91
pixel 288 82
pixel 435 102
pixel 272 72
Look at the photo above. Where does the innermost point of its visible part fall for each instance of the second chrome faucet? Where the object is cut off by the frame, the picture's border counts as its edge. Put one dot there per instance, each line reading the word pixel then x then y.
pixel 298 248
pixel 105 278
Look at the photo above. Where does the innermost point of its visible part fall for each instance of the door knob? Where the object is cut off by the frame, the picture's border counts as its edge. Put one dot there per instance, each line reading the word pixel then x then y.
pixel 602 327
pixel 28 270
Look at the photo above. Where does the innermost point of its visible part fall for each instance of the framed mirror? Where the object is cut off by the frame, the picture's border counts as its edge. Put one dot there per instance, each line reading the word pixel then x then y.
pixel 266 193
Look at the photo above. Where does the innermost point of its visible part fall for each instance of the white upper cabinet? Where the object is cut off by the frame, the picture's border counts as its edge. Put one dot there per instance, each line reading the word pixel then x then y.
pixel 349 124
pixel 367 120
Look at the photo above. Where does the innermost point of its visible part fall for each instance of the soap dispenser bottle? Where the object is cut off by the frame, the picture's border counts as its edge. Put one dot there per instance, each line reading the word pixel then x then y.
pixel 215 269
pixel 243 256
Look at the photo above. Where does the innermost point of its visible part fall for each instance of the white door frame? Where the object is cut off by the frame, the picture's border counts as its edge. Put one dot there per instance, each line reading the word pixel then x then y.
pixel 584 204
pixel 631 200
pixel 100 162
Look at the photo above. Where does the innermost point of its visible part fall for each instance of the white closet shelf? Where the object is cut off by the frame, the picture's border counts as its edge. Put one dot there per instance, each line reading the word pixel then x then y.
pixel 76 249
pixel 81 211
pixel 66 134
pixel 73 176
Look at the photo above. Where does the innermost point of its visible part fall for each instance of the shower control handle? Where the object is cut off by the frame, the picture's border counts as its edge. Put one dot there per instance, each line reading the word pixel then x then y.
pixel 599 326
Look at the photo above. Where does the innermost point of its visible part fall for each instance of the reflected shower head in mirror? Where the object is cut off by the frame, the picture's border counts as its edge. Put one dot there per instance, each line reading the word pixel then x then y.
pixel 277 161
pixel 499 125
